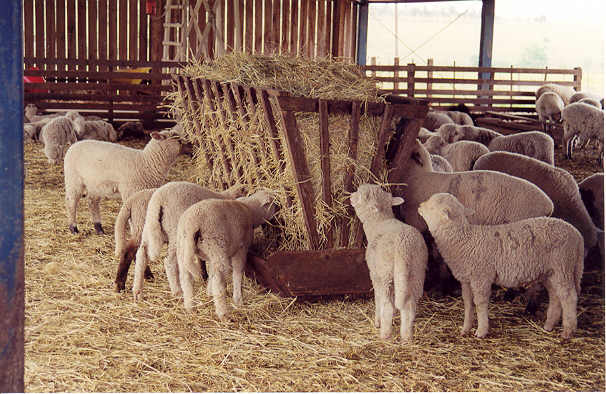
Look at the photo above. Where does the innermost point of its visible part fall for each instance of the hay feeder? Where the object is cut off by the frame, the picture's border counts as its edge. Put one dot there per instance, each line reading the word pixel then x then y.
pixel 332 260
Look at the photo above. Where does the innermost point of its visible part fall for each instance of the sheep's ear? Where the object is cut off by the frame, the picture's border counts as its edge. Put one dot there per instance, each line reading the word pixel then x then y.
pixel 157 136
pixel 354 198
pixel 397 201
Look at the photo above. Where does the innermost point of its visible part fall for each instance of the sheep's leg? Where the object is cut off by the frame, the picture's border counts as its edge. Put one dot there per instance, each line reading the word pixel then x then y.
pixel 126 257
pixel 387 310
pixel 218 287
pixel 568 144
pixel 172 270
pixel 238 261
pixel 407 316
pixel 140 265
pixel 554 308
pixel 93 205
pixel 532 298
pixel 481 296
pixel 568 299
pixel 378 301
pixel 468 302
pixel 72 196
pixel 187 286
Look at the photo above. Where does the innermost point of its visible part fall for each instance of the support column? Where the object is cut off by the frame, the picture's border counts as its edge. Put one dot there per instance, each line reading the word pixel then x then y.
pixel 486 36
pixel 11 198
pixel 362 32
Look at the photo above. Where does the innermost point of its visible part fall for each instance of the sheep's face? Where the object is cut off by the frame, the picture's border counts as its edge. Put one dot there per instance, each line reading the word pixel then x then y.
pixel 169 139
pixel 442 208
pixel 371 199
pixel 434 144
pixel 448 132
pixel 30 110
pixel 267 205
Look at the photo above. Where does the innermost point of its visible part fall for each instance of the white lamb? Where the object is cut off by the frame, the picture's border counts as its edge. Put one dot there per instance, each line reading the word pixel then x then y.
pixel 31 131
pixel 424 134
pixel 396 256
pixel 434 119
pixel 592 194
pixel 98 130
pixel 165 207
pixel 31 114
pixel 453 133
pixel 460 118
pixel 219 232
pixel 549 108
pixel 580 96
pixel 440 164
pixel 57 136
pixel 565 92
pixel 101 169
pixel 461 155
pixel 537 250
pixel 585 122
pixel 533 144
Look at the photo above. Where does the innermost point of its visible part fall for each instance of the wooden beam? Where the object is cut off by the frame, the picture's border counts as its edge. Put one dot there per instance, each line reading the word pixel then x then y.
pixel 486 36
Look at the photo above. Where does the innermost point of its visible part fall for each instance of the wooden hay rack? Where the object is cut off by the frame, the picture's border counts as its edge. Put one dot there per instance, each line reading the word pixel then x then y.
pixel 334 265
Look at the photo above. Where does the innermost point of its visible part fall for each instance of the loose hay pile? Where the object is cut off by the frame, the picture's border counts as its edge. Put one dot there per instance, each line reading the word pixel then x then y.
pixel 235 150
pixel 81 336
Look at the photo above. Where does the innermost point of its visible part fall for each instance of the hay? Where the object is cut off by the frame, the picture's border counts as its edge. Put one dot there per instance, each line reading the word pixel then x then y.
pixel 80 336
pixel 247 146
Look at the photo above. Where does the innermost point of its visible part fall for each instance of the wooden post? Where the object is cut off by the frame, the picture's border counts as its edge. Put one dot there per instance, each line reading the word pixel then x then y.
pixel 12 312
pixel 362 32
pixel 325 166
pixel 429 76
pixel 486 36
pixel 578 75
pixel 410 79
pixel 396 73
pixel 373 62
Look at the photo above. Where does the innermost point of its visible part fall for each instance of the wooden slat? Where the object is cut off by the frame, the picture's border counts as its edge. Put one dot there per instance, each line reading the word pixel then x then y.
pixel 133 30
pixel 302 177
pixel 325 168
pixel 71 30
pixel 341 28
pixel 239 99
pixel 321 40
pixel 286 21
pixel 81 30
pixel 123 30
pixel 268 27
pixel 311 29
pixel 40 34
pixel 28 17
pixel 50 37
pixel 274 137
pixel 303 21
pixel 346 21
pixel 92 30
pixel 113 29
pixel 60 27
pixel 467 81
pixel 194 106
pixel 354 32
pixel 275 26
pixel 249 33
pixel 102 87
pixel 294 27
pixel 210 42
pixel 259 26
pixel 239 39
pixel 125 63
pixel 352 154
pixel 216 94
pixel 382 141
pixel 230 22
pixel 143 35
pixel 541 71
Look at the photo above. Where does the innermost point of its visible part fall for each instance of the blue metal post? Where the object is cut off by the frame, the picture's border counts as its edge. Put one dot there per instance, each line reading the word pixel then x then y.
pixel 486 36
pixel 362 33
pixel 11 198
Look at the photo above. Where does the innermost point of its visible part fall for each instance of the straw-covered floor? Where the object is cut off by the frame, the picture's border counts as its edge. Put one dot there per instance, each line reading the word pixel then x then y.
pixel 82 336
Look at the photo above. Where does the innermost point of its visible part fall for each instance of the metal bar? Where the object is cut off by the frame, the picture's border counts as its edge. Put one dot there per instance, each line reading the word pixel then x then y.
pixel 486 36
pixel 12 309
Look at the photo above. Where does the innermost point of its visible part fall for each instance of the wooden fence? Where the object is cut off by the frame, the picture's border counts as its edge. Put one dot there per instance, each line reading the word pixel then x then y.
pixel 116 90
pixel 497 89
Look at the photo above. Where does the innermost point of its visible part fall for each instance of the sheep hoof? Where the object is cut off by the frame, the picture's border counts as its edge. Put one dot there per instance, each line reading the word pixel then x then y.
pixel 481 334
pixel 120 286
pixel 531 308
pixel 99 229
pixel 148 274
pixel 73 228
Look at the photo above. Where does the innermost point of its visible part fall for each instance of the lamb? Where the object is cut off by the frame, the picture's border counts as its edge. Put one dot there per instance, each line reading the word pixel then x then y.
pixel 542 250
pixel 584 121
pixel 460 118
pixel 100 169
pixel 453 133
pixel 440 164
pixel 78 120
pixel 580 96
pixel 533 144
pixel 164 209
pixel 98 130
pixel 497 198
pixel 424 134
pixel 31 114
pixel 31 131
pixel 549 107
pixel 219 232
pixel 461 155
pixel 592 194
pixel 591 101
pixel 435 119
pixel 57 136
pixel 565 92
pixel 396 256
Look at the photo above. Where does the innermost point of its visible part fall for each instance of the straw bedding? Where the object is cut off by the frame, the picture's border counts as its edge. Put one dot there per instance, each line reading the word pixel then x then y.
pixel 82 336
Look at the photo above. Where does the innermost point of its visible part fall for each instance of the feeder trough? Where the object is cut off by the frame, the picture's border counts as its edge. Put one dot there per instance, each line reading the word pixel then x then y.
pixel 333 264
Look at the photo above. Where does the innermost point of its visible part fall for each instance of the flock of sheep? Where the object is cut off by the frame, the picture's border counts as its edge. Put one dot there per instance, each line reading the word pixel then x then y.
pixel 497 211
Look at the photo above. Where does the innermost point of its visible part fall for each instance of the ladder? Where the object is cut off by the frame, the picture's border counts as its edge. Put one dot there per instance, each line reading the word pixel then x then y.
pixel 174 24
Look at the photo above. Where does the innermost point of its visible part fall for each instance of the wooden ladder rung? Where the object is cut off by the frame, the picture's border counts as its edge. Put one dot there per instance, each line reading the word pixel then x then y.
pixel 172 24
pixel 174 43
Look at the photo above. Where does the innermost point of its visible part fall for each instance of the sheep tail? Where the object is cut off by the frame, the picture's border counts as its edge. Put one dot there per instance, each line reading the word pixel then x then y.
pixel 120 228
pixel 186 250
pixel 153 231
pixel 400 276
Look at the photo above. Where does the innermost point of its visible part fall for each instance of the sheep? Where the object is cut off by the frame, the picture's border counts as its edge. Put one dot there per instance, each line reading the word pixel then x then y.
pixel 131 212
pixel 164 209
pixel 57 135
pixel 396 256
pixel 565 92
pixel 440 164
pixel 584 121
pixel 219 232
pixel 533 144
pixel 580 96
pixel 98 130
pixel 424 134
pixel 543 250
pixel 100 169
pixel 461 155
pixel 31 131
pixel 31 114
pixel 497 198
pixel 549 107
pixel 78 120
pixel 556 182
pixel 453 133
pixel 591 101
pixel 460 118
pixel 592 194
pixel 435 119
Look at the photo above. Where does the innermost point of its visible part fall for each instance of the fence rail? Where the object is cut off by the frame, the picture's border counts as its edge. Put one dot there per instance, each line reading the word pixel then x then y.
pixel 497 89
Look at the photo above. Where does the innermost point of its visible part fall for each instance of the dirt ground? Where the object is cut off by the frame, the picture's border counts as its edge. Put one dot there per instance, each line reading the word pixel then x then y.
pixel 83 336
